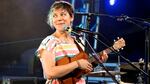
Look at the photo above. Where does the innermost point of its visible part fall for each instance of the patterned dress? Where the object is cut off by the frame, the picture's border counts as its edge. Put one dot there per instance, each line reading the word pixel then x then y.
pixel 59 49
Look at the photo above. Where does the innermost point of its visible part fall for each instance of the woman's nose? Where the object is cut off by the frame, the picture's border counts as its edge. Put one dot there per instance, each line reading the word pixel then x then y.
pixel 60 18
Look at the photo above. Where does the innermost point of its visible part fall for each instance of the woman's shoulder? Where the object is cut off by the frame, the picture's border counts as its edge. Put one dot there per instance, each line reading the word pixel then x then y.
pixel 49 38
pixel 48 43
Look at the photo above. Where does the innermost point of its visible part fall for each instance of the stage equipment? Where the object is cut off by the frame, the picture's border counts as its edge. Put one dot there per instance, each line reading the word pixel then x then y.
pixel 100 76
pixel 144 25
pixel 104 73
pixel 126 66
pixel 133 73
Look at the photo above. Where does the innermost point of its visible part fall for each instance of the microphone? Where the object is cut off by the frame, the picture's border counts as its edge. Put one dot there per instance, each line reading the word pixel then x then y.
pixel 70 30
pixel 123 18
pixel 133 20
pixel 78 30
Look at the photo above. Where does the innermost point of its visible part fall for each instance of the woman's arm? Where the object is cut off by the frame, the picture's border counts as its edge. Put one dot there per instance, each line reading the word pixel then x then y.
pixel 52 71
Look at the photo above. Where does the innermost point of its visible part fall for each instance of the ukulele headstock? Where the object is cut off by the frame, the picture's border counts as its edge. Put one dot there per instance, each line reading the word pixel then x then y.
pixel 119 44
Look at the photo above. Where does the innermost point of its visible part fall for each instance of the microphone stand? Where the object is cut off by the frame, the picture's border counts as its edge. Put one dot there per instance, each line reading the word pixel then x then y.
pixel 146 26
pixel 133 21
pixel 147 52
pixel 96 56
pixel 117 53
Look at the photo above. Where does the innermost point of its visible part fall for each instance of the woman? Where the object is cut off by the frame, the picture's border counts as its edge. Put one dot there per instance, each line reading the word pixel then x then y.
pixel 58 49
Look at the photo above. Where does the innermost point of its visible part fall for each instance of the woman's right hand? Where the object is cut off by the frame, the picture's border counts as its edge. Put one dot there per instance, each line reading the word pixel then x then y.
pixel 84 64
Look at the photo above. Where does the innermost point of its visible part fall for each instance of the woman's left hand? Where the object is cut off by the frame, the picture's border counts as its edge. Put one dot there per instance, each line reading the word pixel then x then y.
pixel 103 56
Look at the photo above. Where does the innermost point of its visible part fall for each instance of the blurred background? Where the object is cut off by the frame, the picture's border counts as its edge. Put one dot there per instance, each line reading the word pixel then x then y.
pixel 23 26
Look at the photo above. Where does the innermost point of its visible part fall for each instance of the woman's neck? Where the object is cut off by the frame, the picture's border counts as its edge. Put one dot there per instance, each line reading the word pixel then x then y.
pixel 64 37
pixel 61 34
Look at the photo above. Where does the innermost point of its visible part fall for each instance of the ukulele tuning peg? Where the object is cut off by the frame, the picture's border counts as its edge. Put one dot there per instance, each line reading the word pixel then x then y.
pixel 114 40
pixel 122 48
pixel 118 38
pixel 118 50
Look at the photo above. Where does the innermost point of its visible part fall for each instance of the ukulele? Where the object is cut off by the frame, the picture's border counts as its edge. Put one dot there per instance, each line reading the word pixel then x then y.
pixel 75 75
pixel 118 44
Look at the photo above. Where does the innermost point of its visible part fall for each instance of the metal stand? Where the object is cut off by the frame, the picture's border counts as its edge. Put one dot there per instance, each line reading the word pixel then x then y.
pixel 140 75
pixel 96 56
pixel 147 53
pixel 138 23
pixel 144 25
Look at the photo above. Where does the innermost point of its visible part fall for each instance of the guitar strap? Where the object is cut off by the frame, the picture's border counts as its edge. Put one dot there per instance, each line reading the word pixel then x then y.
pixel 78 46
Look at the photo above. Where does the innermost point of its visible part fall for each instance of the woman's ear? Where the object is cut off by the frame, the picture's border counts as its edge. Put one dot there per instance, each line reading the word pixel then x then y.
pixel 72 18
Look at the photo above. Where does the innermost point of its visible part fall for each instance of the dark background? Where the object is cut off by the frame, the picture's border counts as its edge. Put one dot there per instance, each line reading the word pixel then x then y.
pixel 23 26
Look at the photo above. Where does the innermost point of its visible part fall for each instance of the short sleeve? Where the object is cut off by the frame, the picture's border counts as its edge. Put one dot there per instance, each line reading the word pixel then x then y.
pixel 48 44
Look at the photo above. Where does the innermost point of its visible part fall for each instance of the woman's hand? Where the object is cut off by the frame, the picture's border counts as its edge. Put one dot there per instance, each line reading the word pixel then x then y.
pixel 103 56
pixel 84 64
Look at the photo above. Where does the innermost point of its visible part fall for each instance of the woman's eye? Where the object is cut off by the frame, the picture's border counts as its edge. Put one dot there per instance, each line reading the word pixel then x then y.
pixel 63 14
pixel 54 16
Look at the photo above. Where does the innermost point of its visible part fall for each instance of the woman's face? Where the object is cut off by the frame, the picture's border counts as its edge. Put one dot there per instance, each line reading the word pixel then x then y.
pixel 61 18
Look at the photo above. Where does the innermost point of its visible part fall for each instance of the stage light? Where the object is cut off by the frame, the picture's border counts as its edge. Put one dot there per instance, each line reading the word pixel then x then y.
pixel 112 2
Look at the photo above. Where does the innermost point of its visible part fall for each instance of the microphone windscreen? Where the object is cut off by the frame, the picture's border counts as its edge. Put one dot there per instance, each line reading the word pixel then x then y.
pixel 67 28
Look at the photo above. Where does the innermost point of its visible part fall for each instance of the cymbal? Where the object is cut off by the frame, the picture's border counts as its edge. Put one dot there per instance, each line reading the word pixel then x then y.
pixel 126 66
pixel 104 73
